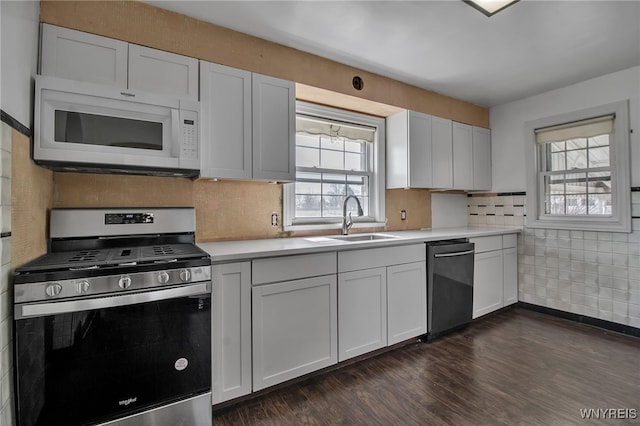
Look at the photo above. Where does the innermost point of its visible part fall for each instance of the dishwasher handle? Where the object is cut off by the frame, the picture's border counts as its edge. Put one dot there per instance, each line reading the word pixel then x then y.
pixel 457 253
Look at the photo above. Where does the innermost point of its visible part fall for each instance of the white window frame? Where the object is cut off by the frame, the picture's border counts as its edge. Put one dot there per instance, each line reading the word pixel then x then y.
pixel 377 214
pixel 620 221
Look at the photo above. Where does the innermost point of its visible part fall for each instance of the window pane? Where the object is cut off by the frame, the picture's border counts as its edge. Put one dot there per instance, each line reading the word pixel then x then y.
pixel 599 157
pixel 557 162
pixel 332 143
pixel 308 176
pixel 554 204
pixel 332 206
pixel 554 184
pixel 332 160
pixel 577 204
pixel 354 162
pixel 303 139
pixel 359 189
pixel 308 188
pixel 577 159
pixel 556 146
pixel 599 182
pixel 308 205
pixel 307 157
pixel 351 146
pixel 576 144
pixel 576 183
pixel 600 204
pixel 334 189
pixel 599 140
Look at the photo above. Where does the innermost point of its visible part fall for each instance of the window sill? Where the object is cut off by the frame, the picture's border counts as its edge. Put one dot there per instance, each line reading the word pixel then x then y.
pixel 327 226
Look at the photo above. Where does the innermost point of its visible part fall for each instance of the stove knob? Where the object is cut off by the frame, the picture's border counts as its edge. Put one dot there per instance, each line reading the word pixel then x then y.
pixel 185 275
pixel 124 282
pixel 82 286
pixel 53 289
pixel 163 277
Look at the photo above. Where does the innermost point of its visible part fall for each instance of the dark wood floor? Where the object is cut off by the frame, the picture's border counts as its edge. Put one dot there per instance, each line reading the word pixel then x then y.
pixel 516 367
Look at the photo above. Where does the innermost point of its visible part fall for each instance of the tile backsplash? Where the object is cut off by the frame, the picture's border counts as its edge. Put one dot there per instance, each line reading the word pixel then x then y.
pixel 595 274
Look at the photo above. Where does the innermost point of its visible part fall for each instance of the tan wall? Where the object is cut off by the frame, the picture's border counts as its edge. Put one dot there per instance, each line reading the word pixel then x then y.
pixel 31 191
pixel 232 209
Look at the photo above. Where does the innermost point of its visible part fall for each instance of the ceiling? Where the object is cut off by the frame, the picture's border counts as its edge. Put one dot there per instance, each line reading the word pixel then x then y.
pixel 447 46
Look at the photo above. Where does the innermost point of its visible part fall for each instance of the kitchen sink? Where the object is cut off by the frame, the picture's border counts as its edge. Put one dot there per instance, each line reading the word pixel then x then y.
pixel 364 237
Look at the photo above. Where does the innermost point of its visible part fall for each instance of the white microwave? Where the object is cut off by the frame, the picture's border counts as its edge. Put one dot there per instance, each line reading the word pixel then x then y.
pixel 88 127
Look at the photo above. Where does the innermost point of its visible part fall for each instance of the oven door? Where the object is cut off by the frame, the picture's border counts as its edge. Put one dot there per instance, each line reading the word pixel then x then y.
pixel 92 360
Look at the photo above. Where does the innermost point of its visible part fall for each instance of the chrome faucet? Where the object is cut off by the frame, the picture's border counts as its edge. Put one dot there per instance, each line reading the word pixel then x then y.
pixel 347 222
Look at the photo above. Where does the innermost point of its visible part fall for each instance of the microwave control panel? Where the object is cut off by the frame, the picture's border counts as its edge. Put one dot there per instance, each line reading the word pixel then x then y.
pixel 189 123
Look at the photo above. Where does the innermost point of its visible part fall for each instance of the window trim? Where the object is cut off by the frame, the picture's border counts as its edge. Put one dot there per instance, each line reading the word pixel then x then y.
pixel 620 221
pixel 377 213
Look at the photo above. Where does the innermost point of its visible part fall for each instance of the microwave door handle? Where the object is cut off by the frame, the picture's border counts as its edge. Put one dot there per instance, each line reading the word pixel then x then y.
pixel 176 133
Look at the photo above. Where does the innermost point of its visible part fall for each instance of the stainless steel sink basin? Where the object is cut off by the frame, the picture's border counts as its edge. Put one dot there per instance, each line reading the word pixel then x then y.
pixel 364 237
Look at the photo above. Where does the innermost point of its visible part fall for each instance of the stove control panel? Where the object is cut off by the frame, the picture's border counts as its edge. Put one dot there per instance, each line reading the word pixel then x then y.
pixel 104 285
pixel 127 218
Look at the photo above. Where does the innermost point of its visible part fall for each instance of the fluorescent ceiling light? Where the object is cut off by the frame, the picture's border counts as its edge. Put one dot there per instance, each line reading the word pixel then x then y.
pixel 490 7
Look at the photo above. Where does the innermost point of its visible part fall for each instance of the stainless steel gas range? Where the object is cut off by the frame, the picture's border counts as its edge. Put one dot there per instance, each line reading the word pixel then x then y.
pixel 113 325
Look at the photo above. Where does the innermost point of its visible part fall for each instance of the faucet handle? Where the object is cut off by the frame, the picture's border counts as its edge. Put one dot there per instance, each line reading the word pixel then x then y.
pixel 349 221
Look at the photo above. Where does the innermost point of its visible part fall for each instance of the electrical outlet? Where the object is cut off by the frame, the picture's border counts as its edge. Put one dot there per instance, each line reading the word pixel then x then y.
pixel 403 215
pixel 274 219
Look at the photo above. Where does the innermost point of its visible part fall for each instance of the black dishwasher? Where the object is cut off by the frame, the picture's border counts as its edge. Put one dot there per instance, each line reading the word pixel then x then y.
pixel 449 286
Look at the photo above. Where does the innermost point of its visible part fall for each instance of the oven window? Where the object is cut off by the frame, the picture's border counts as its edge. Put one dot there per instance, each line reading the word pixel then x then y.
pixel 92 366
pixel 93 129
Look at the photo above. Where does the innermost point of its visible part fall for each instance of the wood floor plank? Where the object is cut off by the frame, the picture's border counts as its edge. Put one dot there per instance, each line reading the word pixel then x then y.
pixel 516 367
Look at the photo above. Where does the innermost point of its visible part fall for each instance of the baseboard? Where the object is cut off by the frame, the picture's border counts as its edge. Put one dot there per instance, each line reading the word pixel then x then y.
pixel 595 322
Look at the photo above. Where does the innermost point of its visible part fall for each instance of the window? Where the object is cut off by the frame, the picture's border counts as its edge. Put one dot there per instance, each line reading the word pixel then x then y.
pixel 338 153
pixel 580 176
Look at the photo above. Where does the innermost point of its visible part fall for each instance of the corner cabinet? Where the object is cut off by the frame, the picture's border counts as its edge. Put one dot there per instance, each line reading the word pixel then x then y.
pixel 294 316
pixel 231 331
pixel 471 157
pixel 495 281
pixel 81 56
pixel 248 129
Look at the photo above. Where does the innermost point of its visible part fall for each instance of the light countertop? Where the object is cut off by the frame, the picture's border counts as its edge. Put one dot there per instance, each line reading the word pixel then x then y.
pixel 226 251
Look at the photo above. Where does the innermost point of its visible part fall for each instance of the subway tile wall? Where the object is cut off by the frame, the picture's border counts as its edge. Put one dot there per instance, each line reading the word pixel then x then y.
pixel 6 296
pixel 595 274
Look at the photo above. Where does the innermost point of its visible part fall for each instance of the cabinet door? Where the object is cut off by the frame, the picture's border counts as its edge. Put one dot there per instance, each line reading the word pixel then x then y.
pixel 294 329
pixel 510 275
pixel 442 150
pixel 81 56
pixel 157 71
pixel 362 310
pixel 231 328
pixel 481 158
pixel 406 301
pixel 487 282
pixel 225 99
pixel 420 150
pixel 274 116
pixel 462 156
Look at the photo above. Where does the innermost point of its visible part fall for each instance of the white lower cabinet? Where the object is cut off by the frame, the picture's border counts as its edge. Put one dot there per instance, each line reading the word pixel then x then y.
pixel 362 312
pixel 406 301
pixel 495 280
pixel 231 331
pixel 381 297
pixel 294 329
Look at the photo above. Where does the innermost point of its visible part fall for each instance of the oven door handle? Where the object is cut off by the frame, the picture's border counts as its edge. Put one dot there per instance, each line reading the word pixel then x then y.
pixel 51 308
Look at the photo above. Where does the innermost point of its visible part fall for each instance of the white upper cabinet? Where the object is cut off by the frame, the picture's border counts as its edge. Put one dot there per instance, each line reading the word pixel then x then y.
pixel 157 71
pixel 81 56
pixel 481 159
pixel 442 152
pixel 409 150
pixel 248 129
pixel 462 156
pixel 274 128
pixel 471 157
pixel 225 98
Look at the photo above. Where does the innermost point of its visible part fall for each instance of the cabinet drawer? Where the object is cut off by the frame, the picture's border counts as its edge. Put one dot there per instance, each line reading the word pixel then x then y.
pixel 377 257
pixel 483 244
pixel 509 240
pixel 287 268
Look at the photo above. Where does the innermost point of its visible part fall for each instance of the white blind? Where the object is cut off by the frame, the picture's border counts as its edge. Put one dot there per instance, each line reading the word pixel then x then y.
pixel 577 129
pixel 316 126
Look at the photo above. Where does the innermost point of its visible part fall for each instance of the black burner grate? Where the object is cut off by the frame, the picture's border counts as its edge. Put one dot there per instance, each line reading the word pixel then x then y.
pixel 84 256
